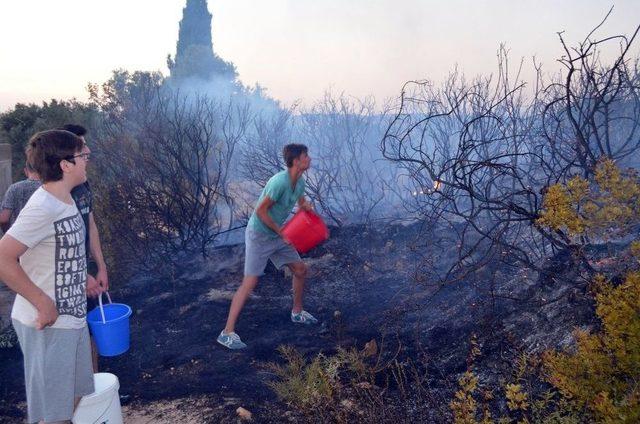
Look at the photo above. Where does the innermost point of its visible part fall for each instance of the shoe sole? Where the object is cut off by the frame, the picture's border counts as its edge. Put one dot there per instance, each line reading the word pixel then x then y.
pixel 304 322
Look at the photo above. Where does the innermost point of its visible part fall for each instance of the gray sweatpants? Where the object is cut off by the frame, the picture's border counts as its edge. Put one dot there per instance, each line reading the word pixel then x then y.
pixel 259 248
pixel 57 369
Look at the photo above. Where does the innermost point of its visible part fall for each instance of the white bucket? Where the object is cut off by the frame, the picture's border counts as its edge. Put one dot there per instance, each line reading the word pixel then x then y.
pixel 101 406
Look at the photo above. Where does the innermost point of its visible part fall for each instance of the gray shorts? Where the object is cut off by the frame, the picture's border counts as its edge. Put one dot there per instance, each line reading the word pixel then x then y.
pixel 260 247
pixel 57 369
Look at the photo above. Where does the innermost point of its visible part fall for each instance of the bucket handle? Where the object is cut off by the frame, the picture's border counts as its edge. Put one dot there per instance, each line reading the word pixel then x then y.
pixel 104 321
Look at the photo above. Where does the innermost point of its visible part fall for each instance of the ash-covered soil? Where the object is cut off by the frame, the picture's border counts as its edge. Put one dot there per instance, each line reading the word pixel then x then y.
pixel 364 284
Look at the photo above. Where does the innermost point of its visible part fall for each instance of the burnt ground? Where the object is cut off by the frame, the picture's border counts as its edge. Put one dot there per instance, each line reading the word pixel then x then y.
pixel 372 278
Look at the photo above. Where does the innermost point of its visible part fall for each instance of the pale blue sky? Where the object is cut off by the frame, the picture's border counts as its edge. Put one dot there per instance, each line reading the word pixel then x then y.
pixel 295 48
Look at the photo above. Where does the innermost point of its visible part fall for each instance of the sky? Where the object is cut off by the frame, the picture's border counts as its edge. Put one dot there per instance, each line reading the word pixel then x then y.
pixel 297 49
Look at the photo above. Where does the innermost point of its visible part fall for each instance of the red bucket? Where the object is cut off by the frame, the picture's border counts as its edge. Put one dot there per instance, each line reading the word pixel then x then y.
pixel 305 231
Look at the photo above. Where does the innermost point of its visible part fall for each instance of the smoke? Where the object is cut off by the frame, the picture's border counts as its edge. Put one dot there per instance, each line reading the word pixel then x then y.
pixel 223 89
pixel 349 181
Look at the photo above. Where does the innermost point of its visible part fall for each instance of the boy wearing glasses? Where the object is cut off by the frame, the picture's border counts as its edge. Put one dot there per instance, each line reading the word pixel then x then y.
pixel 42 259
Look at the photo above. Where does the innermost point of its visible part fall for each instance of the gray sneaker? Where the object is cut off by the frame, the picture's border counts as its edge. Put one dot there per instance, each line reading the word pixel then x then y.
pixel 231 340
pixel 303 317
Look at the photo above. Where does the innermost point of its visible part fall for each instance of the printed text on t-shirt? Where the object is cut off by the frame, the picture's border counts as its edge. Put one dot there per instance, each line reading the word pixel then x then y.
pixel 71 267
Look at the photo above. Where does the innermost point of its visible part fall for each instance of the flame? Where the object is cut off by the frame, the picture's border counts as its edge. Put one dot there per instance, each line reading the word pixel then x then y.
pixel 437 184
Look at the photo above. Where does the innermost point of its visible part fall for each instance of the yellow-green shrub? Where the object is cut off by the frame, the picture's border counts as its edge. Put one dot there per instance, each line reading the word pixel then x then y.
pixel 602 375
pixel 606 207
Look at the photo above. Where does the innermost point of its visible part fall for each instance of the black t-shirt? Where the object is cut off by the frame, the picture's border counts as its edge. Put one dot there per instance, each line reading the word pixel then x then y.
pixel 83 197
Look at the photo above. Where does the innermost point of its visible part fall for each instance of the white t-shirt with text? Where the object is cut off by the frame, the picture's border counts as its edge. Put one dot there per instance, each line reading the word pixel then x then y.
pixel 55 260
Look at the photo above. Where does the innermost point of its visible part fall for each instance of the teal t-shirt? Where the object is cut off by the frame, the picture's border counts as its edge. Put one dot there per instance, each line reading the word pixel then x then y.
pixel 279 189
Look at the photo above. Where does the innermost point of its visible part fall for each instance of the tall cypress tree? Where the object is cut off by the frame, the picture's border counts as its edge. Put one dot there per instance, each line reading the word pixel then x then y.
pixel 195 57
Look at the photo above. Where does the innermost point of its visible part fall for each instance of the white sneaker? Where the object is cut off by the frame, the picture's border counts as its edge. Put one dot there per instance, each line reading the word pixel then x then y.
pixel 303 317
pixel 230 340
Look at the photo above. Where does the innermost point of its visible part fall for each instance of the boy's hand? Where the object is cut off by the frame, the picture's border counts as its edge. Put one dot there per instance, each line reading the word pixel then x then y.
pixel 93 287
pixel 307 206
pixel 103 279
pixel 47 313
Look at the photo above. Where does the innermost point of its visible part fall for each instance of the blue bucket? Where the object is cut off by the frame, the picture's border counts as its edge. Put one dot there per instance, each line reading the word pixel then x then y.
pixel 109 325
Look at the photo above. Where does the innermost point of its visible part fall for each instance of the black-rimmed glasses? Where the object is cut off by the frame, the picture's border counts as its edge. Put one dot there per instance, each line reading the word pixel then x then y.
pixel 84 156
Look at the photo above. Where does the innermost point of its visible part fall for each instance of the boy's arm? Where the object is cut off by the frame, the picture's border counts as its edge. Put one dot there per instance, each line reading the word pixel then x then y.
pixel 96 252
pixel 5 217
pixel 12 274
pixel 262 212
pixel 7 207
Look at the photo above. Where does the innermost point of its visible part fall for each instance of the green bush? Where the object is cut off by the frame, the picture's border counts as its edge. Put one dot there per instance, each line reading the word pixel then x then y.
pixel 304 384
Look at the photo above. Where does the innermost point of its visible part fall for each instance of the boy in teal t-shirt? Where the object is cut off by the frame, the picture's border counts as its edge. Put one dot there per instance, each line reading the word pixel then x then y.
pixel 264 241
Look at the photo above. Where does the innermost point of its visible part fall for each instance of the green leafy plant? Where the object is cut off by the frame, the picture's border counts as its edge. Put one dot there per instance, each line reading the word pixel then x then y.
pixel 600 375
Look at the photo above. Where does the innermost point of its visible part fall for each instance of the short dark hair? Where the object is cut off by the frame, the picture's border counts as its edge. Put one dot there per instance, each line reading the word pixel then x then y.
pixel 27 161
pixel 78 130
pixel 46 150
pixel 28 166
pixel 292 151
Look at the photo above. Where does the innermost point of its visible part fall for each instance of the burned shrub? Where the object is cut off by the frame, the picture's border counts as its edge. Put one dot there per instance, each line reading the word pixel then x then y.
pixel 162 170
pixel 481 154
pixel 347 180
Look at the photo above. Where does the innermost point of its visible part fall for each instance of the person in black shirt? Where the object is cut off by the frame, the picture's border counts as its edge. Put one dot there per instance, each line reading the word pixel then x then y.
pixel 97 276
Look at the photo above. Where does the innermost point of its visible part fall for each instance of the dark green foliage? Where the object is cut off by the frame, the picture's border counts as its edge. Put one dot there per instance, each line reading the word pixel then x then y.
pixel 20 123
